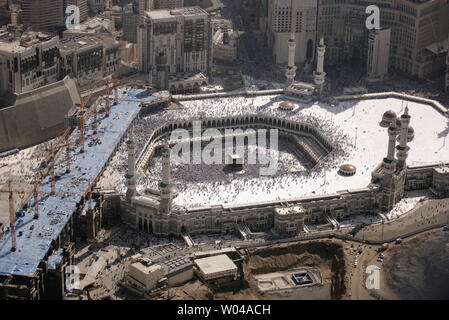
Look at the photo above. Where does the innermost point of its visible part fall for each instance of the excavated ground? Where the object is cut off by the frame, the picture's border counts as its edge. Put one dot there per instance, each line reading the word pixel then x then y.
pixel 327 256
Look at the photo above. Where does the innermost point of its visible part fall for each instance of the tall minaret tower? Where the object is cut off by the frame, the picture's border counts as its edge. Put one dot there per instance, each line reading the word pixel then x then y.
pixel 319 76
pixel 165 185
pixel 402 148
pixel 290 72
pixel 447 69
pixel 389 163
pixel 131 175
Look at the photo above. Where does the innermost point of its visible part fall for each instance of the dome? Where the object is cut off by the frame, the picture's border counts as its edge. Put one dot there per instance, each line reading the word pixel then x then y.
pixel 287 105
pixel 411 133
pixel 389 116
pixel 347 169
pixel 174 191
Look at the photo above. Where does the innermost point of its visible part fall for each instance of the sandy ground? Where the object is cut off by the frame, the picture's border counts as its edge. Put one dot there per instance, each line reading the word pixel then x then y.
pixel 419 267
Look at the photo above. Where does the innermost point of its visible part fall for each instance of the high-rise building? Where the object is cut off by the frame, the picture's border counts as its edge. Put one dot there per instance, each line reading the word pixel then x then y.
pixel 165 4
pixel 280 26
pixel 99 5
pixel 130 21
pixel 416 29
pixel 43 14
pixel 28 61
pixel 184 37
pixel 378 53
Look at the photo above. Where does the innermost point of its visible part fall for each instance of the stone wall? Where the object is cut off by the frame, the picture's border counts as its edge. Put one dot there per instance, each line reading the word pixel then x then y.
pixel 37 115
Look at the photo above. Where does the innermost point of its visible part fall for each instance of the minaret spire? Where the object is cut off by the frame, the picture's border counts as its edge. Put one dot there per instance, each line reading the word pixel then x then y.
pixel 402 148
pixel 319 76
pixel 130 176
pixel 290 72
pixel 165 185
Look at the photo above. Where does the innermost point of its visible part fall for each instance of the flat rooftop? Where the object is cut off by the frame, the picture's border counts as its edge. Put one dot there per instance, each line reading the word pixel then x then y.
pixel 79 42
pixel 171 13
pixel 24 41
pixel 215 264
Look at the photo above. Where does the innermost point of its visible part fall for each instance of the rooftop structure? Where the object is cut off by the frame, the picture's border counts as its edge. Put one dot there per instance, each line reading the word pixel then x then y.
pixel 93 26
pixel 216 267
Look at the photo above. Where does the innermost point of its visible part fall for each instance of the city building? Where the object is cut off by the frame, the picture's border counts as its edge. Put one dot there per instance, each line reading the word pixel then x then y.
pixel 28 60
pixel 225 45
pixel 249 11
pixel 164 4
pixel 82 5
pixel 130 22
pixel 292 16
pixel 181 39
pixel 216 267
pixel 378 53
pixel 144 276
pixel 416 29
pixel 147 5
pixel 162 265
pixel 43 14
pixel 98 6
pixel 85 57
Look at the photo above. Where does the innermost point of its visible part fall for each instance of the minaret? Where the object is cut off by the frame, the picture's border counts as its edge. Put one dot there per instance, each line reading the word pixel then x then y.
pixel 165 185
pixel 389 162
pixel 290 72
pixel 447 68
pixel 402 148
pixel 130 176
pixel 319 76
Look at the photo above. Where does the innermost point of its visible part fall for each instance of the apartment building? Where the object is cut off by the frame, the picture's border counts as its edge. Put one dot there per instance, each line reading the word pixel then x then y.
pixel 280 24
pixel 184 38
pixel 44 15
pixel 28 60
pixel 418 28
pixel 89 56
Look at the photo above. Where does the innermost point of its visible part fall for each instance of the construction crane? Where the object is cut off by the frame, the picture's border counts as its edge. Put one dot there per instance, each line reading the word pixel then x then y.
pixel 12 213
pixel 114 80
pixel 37 179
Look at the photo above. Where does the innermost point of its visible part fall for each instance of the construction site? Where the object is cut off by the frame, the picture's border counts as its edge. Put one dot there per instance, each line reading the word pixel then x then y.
pixel 59 202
